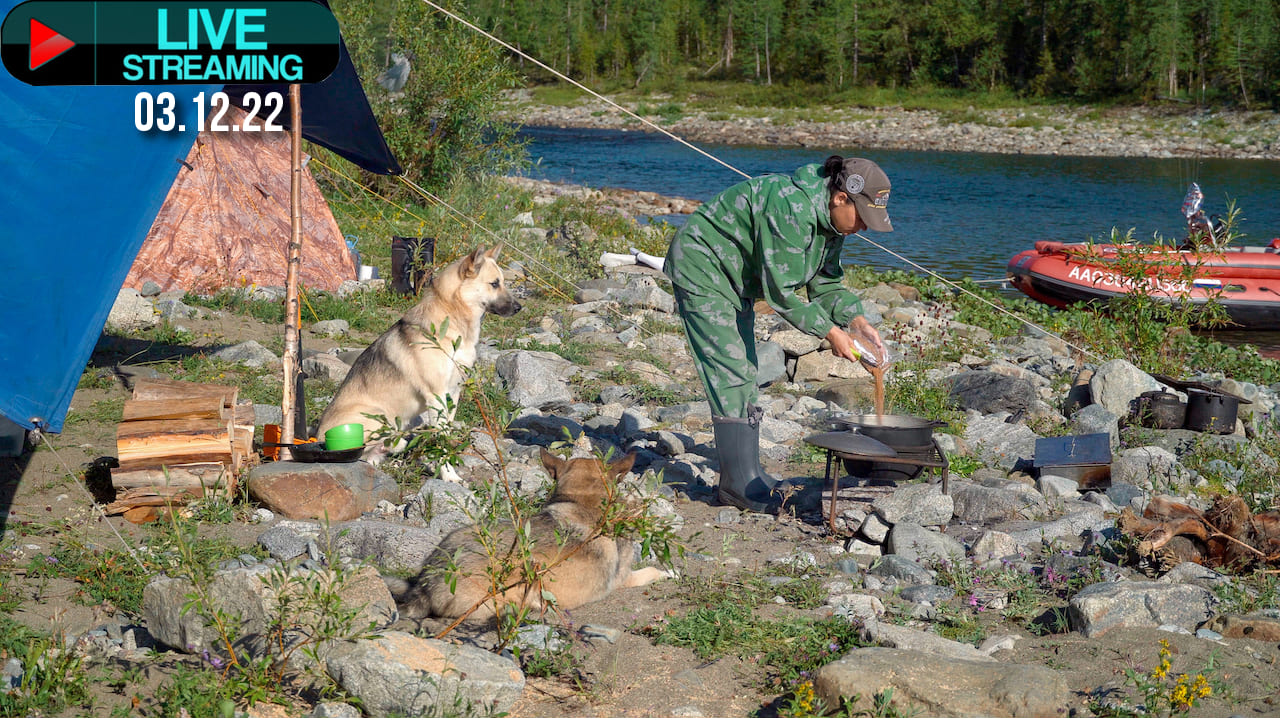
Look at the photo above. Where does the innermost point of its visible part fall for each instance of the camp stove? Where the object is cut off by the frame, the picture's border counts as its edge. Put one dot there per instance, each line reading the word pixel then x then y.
pixel 866 457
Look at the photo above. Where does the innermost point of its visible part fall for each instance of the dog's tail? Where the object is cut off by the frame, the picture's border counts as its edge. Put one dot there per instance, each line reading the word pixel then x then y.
pixel 398 587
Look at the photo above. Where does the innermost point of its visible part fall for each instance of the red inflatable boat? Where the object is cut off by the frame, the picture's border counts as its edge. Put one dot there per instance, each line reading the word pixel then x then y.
pixel 1244 280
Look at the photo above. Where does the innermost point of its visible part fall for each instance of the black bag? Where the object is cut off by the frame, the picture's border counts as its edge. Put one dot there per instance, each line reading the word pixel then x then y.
pixel 411 261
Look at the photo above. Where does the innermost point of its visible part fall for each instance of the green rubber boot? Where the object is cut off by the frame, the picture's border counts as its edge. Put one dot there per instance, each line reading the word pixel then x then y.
pixel 743 482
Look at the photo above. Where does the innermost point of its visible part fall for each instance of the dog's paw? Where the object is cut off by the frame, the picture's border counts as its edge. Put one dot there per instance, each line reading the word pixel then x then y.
pixel 448 474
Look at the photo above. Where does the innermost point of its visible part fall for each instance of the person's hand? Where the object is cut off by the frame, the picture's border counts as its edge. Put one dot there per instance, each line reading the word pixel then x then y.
pixel 841 344
pixel 869 335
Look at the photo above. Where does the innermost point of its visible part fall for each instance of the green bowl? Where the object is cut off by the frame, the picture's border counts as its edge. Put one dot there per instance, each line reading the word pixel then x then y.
pixel 344 437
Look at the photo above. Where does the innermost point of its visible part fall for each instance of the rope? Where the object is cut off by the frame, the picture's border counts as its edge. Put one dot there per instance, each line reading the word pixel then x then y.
pixel 588 90
pixel 102 515
pixel 974 295
pixel 715 159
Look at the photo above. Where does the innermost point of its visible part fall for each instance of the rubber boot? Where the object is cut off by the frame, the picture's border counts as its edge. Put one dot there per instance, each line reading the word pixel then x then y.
pixel 743 482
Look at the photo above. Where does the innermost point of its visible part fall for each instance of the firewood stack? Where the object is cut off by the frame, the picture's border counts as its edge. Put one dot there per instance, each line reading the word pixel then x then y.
pixel 176 442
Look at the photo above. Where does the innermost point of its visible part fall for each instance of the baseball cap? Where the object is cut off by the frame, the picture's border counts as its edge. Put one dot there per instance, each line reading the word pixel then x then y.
pixel 867 184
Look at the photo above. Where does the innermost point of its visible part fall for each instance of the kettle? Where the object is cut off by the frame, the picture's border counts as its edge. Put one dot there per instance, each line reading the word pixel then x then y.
pixel 1161 409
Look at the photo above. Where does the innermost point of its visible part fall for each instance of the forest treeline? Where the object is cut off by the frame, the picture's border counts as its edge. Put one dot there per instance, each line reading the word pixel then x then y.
pixel 1219 51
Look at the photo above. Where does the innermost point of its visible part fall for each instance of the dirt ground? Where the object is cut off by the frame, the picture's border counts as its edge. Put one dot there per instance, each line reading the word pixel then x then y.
pixel 42 498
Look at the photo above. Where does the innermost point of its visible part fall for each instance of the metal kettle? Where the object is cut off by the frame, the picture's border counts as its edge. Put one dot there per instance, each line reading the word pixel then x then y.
pixel 1161 409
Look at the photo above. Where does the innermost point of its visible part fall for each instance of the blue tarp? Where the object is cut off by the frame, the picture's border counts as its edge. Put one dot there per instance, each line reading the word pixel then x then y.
pixel 79 188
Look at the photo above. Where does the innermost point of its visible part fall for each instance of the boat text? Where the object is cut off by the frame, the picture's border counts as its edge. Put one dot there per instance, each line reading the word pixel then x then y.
pixel 1124 283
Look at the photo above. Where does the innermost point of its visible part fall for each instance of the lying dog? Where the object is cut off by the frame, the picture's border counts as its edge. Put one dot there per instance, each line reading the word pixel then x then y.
pixel 584 566
pixel 415 370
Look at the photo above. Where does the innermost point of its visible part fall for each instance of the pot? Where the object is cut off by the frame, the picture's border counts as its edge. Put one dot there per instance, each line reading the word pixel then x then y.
pixel 1161 409
pixel 900 432
pixel 1211 412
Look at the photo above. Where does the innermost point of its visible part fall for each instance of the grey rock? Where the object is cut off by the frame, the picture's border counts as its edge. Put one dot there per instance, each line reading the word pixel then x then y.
pixel 399 675
pixel 243 593
pixel 856 605
pixel 922 504
pixel 249 353
pixel 772 363
pixel 335 710
pixel 1123 494
pixel 905 638
pixel 998 443
pixel 326 367
pixel 1082 517
pixel 1189 573
pixel 546 426
pixel 391 545
pixel 1151 468
pixel 981 505
pixel 1117 383
pixel 1102 607
pixel 175 310
pixel 795 343
pixel 538 637
pixel 1096 418
pixel 535 379
pixel 943 687
pixel 331 328
pixel 131 312
pixel 993 545
pixel 990 392
pixel 1056 486
pixel 932 594
pixel 913 542
pixel 874 528
pixel 900 571
pixel 600 632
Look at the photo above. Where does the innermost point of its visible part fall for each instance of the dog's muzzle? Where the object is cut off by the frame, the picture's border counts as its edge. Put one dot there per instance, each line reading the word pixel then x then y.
pixel 505 307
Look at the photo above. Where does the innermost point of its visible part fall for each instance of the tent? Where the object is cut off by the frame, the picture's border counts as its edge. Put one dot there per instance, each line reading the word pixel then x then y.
pixel 225 221
pixel 79 189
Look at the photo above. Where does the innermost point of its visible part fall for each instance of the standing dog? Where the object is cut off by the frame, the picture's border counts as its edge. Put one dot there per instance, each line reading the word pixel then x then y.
pixel 417 366
pixel 584 566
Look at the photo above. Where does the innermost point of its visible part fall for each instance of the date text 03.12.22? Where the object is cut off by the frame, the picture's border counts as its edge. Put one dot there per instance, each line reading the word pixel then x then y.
pixel 162 112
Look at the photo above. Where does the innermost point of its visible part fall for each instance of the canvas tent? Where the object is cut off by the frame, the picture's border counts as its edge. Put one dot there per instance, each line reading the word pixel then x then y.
pixel 225 221
pixel 79 189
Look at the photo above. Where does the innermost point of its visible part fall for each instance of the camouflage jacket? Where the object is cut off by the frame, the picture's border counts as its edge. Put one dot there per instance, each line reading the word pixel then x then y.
pixel 767 237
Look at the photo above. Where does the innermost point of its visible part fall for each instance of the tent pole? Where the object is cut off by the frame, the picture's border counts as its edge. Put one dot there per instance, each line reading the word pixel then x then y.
pixel 292 310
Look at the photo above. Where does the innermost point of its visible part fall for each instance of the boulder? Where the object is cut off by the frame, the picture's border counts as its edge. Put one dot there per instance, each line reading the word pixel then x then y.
pixel 942 687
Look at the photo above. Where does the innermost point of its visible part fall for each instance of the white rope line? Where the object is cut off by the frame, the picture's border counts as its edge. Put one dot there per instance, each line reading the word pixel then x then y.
pixel 102 515
pixel 708 155
pixel 1011 314
pixel 588 90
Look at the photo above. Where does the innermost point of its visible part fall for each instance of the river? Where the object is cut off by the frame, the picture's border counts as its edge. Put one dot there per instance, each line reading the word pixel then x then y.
pixel 958 214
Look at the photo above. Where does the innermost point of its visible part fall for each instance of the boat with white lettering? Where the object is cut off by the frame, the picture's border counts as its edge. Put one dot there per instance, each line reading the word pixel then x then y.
pixel 1245 281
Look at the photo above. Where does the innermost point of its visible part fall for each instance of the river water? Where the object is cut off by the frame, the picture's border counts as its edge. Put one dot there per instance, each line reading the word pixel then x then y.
pixel 958 214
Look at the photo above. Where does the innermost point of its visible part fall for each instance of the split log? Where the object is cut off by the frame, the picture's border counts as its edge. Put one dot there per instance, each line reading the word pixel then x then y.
pixel 196 446
pixel 166 389
pixel 175 409
pixel 206 475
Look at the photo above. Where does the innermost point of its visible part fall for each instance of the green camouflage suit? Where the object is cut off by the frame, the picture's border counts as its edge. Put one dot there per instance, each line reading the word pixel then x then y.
pixel 766 237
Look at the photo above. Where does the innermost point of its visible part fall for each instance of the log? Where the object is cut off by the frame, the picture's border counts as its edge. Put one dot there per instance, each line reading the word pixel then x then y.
pixel 152 497
pixel 137 428
pixel 207 475
pixel 173 409
pixel 166 389
pixel 166 448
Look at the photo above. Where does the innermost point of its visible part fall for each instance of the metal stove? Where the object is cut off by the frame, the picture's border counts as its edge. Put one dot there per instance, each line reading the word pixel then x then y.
pixel 866 457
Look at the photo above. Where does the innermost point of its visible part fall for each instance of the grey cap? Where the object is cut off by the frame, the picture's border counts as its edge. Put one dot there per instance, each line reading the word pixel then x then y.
pixel 867 184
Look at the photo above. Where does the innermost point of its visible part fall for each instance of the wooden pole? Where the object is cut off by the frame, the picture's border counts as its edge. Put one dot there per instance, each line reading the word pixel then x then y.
pixel 292 313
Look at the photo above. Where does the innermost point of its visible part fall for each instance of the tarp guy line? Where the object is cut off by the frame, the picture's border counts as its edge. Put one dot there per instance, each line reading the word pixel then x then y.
pixel 686 143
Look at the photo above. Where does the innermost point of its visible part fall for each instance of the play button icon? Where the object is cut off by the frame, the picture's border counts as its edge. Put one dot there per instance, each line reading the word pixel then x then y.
pixel 46 44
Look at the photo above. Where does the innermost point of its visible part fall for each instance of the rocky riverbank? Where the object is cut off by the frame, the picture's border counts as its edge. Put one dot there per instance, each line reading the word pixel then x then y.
pixel 1037 130
pixel 1013 593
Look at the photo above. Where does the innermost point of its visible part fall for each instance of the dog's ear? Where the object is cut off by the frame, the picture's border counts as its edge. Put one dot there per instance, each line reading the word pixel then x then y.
pixel 493 252
pixel 621 467
pixel 470 264
pixel 552 463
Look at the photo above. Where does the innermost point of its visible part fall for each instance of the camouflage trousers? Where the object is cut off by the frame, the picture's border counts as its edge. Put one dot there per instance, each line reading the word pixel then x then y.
pixel 721 333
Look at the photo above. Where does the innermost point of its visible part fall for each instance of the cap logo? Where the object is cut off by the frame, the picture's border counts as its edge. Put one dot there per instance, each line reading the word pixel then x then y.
pixel 881 200
pixel 853 183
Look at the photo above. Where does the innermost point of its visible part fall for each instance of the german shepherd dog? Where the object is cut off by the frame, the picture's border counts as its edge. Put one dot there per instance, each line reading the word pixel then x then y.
pixel 415 369
pixel 583 565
